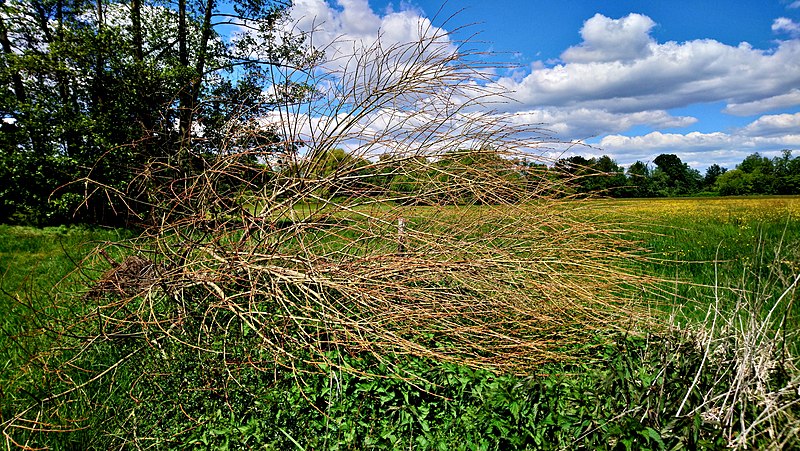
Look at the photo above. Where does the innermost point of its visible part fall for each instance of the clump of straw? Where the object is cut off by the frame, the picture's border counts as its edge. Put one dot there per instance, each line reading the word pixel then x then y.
pixel 488 268
pixel 390 212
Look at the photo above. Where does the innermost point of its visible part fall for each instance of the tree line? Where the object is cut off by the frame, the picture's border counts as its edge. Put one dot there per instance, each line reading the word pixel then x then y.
pixel 448 179
pixel 668 176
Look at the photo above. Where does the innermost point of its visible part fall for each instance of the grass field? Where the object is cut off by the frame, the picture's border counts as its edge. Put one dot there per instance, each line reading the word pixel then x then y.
pixel 32 263
pixel 712 257
pixel 726 242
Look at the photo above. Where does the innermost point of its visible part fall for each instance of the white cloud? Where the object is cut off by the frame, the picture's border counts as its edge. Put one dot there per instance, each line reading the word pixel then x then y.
pixel 667 75
pixel 607 40
pixel 774 126
pixel 352 25
pixel 357 18
pixel 584 123
pixel 658 141
pixel 617 78
pixel 789 99
pixel 785 25
pixel 701 149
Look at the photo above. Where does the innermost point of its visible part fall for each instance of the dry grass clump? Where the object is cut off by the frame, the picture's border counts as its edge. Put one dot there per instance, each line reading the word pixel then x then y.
pixel 499 286
pixel 747 382
pixel 433 235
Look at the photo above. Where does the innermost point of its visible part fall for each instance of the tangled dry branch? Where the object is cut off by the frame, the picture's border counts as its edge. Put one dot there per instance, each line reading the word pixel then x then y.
pixel 390 211
pixel 434 235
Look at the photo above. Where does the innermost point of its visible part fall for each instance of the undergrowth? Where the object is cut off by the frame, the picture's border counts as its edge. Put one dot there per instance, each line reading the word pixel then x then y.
pixel 621 394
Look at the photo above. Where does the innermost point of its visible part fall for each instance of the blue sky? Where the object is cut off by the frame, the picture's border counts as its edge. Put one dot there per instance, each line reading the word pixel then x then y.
pixel 711 81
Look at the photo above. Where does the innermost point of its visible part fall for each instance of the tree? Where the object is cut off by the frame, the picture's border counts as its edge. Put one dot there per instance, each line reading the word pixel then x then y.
pixel 639 182
pixel 80 106
pixel 612 175
pixel 712 173
pixel 594 175
pixel 735 183
pixel 339 173
pixel 237 282
pixel 761 173
pixel 679 178
pixel 755 162
pixel 787 173
pixel 461 177
pixel 94 89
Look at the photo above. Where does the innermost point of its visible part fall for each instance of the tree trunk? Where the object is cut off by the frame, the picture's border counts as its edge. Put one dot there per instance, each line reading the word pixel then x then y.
pixel 65 93
pixel 202 51
pixel 185 97
pixel 5 42
pixel 98 84
pixel 136 30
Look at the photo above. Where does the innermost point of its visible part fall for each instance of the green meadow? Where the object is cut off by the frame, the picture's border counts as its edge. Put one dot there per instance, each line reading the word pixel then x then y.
pixel 748 243
pixel 719 269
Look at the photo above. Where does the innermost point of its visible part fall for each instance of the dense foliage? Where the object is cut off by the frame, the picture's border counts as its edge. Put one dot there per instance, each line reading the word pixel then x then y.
pixel 93 91
pixel 621 395
pixel 669 176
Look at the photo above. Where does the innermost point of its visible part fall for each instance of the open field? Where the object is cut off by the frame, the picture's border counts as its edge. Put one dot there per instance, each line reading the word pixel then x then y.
pixel 730 242
pixel 41 257
pixel 32 263
pixel 636 391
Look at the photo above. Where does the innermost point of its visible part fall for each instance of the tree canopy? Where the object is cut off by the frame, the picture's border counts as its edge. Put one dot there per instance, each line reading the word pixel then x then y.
pixel 94 90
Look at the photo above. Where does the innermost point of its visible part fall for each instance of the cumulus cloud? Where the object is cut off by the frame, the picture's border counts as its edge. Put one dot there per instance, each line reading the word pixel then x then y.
pixel 617 78
pixel 606 39
pixel 774 125
pixel 658 141
pixel 785 25
pixel 583 123
pixel 620 69
pixel 671 75
pixel 351 25
pixel 789 99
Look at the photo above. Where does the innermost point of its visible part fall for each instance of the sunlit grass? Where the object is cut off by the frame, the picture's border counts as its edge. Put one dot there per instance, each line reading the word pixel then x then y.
pixel 32 262
pixel 696 244
pixel 43 256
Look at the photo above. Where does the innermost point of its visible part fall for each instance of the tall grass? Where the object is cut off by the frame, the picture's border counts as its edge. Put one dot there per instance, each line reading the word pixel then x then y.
pixel 749 336
pixel 728 378
pixel 33 264
pixel 730 269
